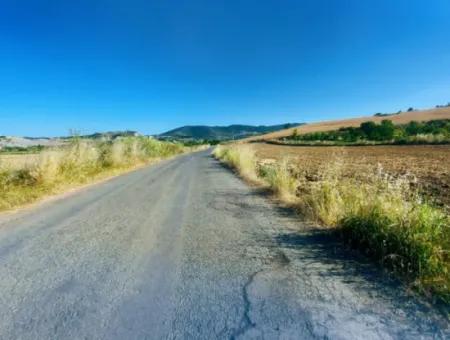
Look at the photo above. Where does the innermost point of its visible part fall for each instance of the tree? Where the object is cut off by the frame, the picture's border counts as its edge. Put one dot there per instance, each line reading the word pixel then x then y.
pixel 412 128
pixel 368 128
pixel 294 134
pixel 386 130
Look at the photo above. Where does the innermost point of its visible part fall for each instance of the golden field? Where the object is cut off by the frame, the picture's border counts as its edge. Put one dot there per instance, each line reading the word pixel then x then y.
pixel 17 161
pixel 402 118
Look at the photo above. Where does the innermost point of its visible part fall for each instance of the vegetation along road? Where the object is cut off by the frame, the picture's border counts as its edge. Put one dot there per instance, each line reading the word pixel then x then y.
pixel 185 249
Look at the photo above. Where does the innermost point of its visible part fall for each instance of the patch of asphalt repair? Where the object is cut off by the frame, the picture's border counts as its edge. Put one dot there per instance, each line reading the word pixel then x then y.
pixel 280 260
pixel 186 250
pixel 246 323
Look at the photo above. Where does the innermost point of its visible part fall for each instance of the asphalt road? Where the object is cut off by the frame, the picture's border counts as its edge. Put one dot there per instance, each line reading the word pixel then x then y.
pixel 186 250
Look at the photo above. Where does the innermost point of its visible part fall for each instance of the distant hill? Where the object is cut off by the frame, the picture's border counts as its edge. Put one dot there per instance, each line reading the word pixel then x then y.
pixel 26 142
pixel 222 132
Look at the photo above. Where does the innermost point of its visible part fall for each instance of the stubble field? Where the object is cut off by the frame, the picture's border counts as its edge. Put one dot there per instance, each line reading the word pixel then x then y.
pixel 18 161
pixel 427 166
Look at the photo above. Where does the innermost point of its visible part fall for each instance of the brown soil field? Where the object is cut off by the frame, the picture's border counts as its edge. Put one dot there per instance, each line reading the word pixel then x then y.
pixel 402 118
pixel 429 164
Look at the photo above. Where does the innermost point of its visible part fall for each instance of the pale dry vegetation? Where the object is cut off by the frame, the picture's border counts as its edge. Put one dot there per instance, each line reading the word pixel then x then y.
pixel 243 159
pixel 383 214
pixel 14 161
pixel 24 180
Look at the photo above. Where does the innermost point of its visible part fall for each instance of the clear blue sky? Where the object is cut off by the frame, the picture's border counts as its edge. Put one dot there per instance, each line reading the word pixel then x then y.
pixel 150 66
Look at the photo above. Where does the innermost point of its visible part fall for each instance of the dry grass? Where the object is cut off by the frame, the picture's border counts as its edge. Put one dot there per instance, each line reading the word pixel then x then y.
pixel 23 181
pixel 15 161
pixel 243 159
pixel 381 213
pixel 402 118
pixel 279 178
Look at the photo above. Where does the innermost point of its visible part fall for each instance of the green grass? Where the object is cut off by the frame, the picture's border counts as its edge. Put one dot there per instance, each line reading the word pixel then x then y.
pixel 413 244
pixel 83 161
pixel 382 215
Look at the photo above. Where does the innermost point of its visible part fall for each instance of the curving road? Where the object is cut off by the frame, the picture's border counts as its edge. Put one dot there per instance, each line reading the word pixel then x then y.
pixel 185 250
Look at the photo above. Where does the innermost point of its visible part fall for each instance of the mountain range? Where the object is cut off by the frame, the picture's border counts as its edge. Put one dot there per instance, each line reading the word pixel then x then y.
pixel 198 132
pixel 194 132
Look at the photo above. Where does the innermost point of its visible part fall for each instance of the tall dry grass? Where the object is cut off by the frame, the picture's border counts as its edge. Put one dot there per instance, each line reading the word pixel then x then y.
pixel 80 162
pixel 242 158
pixel 380 213
pixel 279 178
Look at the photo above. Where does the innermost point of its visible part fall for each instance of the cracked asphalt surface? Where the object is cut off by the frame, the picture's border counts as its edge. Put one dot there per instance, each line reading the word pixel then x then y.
pixel 185 250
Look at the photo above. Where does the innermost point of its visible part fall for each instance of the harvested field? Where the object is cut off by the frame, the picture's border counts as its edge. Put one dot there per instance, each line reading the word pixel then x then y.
pixel 430 164
pixel 17 161
pixel 402 118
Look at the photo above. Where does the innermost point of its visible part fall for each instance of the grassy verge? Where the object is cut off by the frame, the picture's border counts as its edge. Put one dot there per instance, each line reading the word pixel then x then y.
pixel 380 214
pixel 242 158
pixel 81 162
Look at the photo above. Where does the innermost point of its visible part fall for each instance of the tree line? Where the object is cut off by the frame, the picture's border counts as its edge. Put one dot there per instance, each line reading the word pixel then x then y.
pixel 386 131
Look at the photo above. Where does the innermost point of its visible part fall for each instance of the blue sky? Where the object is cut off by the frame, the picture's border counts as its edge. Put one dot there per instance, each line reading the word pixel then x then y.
pixel 151 66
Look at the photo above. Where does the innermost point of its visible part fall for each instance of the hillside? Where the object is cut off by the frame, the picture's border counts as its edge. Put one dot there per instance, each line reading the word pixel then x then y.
pixel 26 142
pixel 402 118
pixel 221 132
